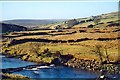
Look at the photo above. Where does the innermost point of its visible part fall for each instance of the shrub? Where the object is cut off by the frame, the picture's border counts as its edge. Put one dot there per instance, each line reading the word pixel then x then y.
pixel 98 51
pixel 97 20
pixel 57 54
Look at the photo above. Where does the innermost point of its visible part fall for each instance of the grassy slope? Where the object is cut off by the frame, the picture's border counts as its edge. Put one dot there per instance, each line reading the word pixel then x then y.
pixel 104 19
pixel 32 22
pixel 84 49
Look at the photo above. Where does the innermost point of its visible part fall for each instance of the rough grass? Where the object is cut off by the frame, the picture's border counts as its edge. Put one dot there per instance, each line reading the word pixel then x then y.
pixel 82 50
pixel 70 34
pixel 32 37
pixel 73 36
pixel 109 19
pixel 84 35
pixel 7 76
pixel 83 24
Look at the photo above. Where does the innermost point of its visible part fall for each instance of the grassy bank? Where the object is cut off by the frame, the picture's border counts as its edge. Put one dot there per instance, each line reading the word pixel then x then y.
pixel 7 76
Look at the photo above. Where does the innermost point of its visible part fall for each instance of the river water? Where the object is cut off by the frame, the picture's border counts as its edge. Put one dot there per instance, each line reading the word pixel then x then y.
pixel 52 72
pixel 13 62
pixel 58 72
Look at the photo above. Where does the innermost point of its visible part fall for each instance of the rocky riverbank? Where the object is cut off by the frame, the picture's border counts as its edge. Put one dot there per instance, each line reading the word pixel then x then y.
pixel 89 65
pixel 93 65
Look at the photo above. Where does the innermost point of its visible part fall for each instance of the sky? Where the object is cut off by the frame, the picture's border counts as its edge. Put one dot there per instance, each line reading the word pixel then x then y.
pixel 54 10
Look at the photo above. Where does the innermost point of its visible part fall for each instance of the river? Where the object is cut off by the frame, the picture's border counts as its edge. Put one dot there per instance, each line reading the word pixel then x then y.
pixel 52 72
pixel 13 62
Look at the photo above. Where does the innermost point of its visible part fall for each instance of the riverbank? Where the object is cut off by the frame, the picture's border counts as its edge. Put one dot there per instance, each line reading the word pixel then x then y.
pixel 95 66
pixel 47 71
pixel 88 65
pixel 36 71
pixel 7 76
pixel 89 62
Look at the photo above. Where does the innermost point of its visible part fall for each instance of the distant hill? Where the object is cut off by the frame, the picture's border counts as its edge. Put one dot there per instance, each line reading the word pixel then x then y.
pixel 30 22
pixel 11 27
pixel 106 18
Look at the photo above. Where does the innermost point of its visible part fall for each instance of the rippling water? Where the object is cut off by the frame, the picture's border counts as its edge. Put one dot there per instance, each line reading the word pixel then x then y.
pixel 13 62
pixel 58 72
pixel 53 72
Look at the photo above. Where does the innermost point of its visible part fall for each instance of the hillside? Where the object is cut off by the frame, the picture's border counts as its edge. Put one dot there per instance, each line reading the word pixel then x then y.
pixel 105 20
pixel 11 27
pixel 32 22
pixel 73 43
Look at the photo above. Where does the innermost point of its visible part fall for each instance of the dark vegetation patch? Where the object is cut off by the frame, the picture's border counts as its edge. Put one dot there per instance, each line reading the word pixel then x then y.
pixel 113 24
pixel 11 27
pixel 14 42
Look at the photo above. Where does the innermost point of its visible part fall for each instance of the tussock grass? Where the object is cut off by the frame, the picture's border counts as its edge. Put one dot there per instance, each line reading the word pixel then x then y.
pixel 31 51
pixel 84 35
pixel 82 50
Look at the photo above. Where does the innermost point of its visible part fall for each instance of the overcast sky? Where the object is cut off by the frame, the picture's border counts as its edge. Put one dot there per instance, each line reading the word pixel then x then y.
pixel 54 10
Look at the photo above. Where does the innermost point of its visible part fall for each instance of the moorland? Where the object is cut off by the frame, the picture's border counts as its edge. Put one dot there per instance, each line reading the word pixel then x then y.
pixel 85 43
